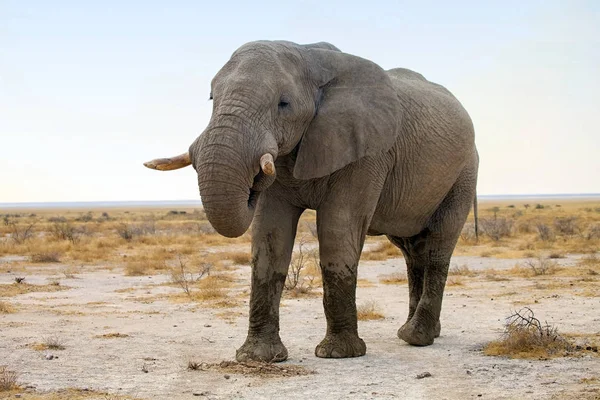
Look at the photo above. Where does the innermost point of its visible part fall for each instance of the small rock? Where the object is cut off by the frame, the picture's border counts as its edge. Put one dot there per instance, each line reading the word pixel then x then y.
pixel 18 396
pixel 205 393
pixel 49 356
pixel 469 372
pixel 424 375
pixel 226 376
pixel 207 326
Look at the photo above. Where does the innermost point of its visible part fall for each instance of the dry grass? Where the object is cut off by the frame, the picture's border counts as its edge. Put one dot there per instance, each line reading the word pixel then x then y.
pixel 369 311
pixel 526 337
pixel 394 279
pixel 49 343
pixel 67 394
pixel 15 289
pixel 6 308
pixel 8 379
pixel 382 251
pixel 112 335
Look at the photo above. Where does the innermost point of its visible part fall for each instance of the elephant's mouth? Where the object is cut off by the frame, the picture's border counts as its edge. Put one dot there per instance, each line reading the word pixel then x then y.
pixel 261 182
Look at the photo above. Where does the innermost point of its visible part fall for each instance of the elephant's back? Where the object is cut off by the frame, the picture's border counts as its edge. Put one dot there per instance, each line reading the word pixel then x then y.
pixel 407 80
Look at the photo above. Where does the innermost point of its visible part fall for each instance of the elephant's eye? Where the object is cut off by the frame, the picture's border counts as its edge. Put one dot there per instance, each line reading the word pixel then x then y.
pixel 283 104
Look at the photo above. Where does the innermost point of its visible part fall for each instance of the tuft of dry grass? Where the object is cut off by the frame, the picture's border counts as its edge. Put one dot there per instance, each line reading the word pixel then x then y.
pixel 394 279
pixel 49 343
pixel 8 379
pixel 461 270
pixel 383 251
pixel 46 257
pixel 239 257
pixel 526 337
pixel 369 311
pixel 15 289
pixel 112 335
pixel 6 308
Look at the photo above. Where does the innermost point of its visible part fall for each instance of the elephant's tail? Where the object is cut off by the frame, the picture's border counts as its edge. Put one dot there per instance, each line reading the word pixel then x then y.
pixel 475 214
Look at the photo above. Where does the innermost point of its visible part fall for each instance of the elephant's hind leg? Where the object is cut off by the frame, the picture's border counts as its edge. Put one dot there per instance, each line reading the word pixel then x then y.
pixel 428 257
pixel 273 236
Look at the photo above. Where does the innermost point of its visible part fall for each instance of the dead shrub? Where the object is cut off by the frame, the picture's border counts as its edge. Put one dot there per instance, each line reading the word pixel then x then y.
pixel 8 379
pixel 545 232
pixel 496 228
pixel 296 279
pixel 129 231
pixel 46 257
pixel 19 233
pixel 567 226
pixel 541 266
pixel 67 231
pixel 526 337
pixel 369 311
pixel 593 232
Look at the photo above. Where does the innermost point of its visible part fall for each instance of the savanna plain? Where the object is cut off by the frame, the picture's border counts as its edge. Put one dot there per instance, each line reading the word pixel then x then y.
pixel 151 303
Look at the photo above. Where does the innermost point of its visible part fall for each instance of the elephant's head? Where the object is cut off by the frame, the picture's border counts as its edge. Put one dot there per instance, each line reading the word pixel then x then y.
pixel 271 98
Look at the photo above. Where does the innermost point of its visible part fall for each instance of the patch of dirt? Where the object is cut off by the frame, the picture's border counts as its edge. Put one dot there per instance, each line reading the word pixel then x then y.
pixel 263 370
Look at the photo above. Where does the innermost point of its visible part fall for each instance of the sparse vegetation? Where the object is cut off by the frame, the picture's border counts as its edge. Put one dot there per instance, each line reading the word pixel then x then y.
pixel 368 311
pixel 8 379
pixel 46 257
pixel 526 337
pixel 301 278
pixel 6 308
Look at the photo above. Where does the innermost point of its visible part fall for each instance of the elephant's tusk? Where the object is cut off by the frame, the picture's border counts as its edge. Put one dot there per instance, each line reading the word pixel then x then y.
pixel 168 164
pixel 267 165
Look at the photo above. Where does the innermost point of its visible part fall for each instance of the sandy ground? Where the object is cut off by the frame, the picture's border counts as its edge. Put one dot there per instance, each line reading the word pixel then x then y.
pixel 151 362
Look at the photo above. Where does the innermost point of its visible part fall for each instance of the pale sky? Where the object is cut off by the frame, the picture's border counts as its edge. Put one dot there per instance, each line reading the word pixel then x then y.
pixel 91 90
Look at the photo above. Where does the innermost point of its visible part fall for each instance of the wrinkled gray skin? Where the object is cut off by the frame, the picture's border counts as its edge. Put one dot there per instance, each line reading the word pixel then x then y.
pixel 374 152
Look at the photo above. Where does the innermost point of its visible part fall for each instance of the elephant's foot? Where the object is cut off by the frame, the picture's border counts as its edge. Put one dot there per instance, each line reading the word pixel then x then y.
pixel 262 349
pixel 418 335
pixel 341 345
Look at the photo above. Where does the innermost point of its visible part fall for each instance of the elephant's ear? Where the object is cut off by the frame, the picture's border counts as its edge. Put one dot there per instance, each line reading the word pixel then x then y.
pixel 358 114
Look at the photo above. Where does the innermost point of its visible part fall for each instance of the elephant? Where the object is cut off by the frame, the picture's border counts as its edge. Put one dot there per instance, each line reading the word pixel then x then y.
pixel 373 152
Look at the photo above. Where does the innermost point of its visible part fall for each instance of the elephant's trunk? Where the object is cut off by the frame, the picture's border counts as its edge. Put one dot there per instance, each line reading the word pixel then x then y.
pixel 231 173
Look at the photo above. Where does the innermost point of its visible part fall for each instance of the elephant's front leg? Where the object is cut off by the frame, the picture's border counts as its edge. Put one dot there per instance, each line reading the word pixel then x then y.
pixel 273 233
pixel 341 237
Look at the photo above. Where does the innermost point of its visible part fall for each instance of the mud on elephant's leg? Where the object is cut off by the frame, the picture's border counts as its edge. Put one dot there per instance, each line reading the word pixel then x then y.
pixel 339 302
pixel 273 236
pixel 424 325
pixel 340 244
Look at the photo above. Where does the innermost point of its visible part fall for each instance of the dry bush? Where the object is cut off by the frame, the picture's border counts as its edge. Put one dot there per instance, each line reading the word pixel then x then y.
pixel 298 280
pixel 541 266
pixel 461 270
pixel 567 226
pixel 129 231
pixel 383 251
pixel 526 337
pixel 496 228
pixel 19 233
pixel 67 231
pixel 8 379
pixel 6 308
pixel 593 232
pixel 46 257
pixel 53 342
pixel 184 278
pixel 394 278
pixel 369 311
pixel 545 232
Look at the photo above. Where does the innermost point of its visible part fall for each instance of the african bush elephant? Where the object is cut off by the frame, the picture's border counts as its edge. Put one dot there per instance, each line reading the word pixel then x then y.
pixel 374 152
